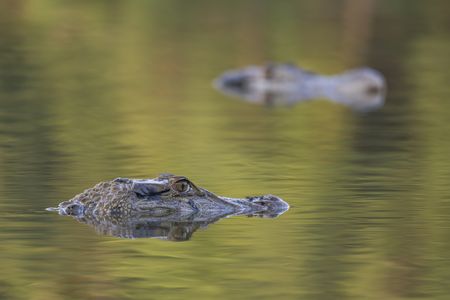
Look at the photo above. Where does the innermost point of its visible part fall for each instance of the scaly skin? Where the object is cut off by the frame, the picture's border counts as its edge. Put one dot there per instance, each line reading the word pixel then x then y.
pixel 165 198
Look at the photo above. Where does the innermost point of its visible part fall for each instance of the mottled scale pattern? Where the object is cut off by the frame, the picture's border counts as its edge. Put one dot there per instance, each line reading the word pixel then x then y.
pixel 108 200
pixel 123 202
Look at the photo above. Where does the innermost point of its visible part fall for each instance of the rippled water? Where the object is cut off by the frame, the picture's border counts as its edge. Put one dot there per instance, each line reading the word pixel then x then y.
pixel 91 91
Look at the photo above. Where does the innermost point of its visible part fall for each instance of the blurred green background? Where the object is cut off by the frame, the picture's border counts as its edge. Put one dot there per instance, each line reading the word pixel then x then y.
pixel 93 90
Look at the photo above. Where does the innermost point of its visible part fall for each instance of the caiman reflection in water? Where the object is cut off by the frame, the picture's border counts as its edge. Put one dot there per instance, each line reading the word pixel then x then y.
pixel 169 207
pixel 285 84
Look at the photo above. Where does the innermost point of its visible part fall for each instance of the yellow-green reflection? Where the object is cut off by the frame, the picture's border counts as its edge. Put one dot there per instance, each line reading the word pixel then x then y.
pixel 93 90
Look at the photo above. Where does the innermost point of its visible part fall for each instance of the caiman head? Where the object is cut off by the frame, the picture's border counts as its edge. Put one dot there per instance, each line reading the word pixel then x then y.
pixel 167 197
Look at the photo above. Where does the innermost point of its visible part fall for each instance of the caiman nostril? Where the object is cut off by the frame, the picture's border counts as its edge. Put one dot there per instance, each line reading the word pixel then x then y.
pixel 73 210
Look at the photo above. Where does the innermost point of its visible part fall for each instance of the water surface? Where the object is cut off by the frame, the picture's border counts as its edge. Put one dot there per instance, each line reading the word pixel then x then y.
pixel 90 91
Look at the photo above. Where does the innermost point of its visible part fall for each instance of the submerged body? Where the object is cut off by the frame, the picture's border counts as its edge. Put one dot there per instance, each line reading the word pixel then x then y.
pixel 274 84
pixel 123 204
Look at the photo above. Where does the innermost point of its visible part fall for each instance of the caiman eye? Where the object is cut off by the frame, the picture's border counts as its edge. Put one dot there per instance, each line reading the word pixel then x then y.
pixel 182 186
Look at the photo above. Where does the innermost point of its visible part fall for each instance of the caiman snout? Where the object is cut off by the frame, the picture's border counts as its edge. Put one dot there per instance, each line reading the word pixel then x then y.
pixel 273 206
pixel 71 209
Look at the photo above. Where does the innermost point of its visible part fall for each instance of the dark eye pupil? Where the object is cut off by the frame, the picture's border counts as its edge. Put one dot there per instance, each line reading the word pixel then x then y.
pixel 182 187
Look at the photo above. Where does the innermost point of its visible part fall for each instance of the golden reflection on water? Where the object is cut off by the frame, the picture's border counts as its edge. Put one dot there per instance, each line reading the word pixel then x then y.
pixel 93 91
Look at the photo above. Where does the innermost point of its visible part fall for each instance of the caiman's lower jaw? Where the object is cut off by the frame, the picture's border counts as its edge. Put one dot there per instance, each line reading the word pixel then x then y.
pixel 157 212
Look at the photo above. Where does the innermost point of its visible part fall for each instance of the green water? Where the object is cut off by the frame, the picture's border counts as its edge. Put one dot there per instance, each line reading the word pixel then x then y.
pixel 93 90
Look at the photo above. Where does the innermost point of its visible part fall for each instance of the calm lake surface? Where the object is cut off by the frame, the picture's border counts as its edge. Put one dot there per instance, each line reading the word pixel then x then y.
pixel 93 90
